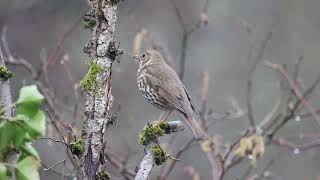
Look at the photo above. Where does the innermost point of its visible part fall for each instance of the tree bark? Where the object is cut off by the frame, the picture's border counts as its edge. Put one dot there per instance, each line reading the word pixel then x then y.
pixel 11 156
pixel 102 51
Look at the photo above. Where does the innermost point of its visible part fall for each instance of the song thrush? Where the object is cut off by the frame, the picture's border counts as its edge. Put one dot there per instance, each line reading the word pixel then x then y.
pixel 161 86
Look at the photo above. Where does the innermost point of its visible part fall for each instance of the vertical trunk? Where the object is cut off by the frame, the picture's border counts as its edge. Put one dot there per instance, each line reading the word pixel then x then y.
pixel 11 156
pixel 102 51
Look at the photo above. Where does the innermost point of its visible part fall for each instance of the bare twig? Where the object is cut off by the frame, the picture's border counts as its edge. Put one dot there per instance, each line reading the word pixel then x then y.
pixel 179 16
pixel 268 118
pixel 123 170
pixel 187 32
pixel 54 140
pixel 296 90
pixel 296 148
pixel 55 164
pixel 171 165
pixel 60 42
pixel 65 141
pixel 250 78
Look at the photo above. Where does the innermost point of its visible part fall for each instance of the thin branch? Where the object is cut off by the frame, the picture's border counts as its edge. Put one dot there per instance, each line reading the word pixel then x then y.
pixel 269 117
pixel 297 148
pixel 54 140
pixel 54 165
pixel 57 172
pixel 70 156
pixel 123 170
pixel 250 78
pixel 296 90
pixel 60 42
pixel 187 32
pixel 179 16
pixel 171 165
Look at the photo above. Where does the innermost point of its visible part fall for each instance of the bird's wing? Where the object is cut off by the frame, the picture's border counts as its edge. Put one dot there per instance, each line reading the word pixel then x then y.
pixel 193 106
pixel 168 86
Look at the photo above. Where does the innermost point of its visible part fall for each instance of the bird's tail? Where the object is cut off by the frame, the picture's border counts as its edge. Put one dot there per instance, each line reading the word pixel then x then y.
pixel 198 132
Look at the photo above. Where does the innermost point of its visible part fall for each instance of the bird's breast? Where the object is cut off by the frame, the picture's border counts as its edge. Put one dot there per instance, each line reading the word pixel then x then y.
pixel 148 92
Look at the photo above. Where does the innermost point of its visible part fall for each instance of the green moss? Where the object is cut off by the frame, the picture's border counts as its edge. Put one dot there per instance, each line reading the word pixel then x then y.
pixel 90 18
pixel 5 73
pixel 150 133
pixel 103 175
pixel 159 155
pixel 165 127
pixel 77 147
pixel 89 24
pixel 90 79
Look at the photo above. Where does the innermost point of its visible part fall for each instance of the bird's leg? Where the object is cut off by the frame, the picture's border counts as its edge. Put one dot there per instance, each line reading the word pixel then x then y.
pixel 164 115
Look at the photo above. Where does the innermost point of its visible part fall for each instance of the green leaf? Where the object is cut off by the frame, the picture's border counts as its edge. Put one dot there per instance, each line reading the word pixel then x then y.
pixel 27 169
pixel 36 125
pixel 29 100
pixel 28 110
pixel 11 134
pixel 28 149
pixel 3 172
pixel 30 94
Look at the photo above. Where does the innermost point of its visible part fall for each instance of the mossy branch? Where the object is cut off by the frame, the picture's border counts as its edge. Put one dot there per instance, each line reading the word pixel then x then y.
pixel 5 73
pixel 151 132
pixel 77 147
pixel 155 154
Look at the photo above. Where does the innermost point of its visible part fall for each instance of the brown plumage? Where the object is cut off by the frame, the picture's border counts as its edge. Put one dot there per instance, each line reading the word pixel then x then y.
pixel 161 86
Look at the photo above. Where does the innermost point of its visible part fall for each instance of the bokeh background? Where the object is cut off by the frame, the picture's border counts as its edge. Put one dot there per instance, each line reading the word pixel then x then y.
pixel 34 27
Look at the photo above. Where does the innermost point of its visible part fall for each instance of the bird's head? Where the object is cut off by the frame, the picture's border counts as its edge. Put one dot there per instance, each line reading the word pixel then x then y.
pixel 149 57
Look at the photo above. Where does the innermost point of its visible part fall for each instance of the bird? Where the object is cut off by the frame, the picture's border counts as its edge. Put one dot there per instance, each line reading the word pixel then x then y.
pixel 161 86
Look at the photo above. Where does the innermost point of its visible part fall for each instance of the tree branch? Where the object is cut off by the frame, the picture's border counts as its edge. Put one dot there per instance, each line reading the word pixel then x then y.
pixel 148 161
pixel 295 89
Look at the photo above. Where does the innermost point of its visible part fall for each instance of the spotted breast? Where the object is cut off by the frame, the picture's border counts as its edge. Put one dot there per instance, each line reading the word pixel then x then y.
pixel 147 91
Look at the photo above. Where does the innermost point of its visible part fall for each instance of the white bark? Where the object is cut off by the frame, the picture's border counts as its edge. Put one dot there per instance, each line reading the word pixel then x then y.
pixel 146 164
pixel 5 92
pixel 12 156
pixel 99 99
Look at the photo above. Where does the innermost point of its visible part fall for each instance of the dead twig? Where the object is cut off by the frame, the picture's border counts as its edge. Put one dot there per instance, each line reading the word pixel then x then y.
pixel 296 89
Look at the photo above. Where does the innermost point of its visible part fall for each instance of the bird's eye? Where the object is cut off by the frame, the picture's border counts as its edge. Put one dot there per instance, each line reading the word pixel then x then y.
pixel 143 55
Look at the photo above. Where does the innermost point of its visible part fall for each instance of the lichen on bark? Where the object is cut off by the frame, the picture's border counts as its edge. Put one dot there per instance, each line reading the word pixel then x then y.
pixel 103 17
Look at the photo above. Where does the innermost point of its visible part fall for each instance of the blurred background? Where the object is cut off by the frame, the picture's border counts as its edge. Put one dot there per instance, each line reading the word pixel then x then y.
pixel 35 28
